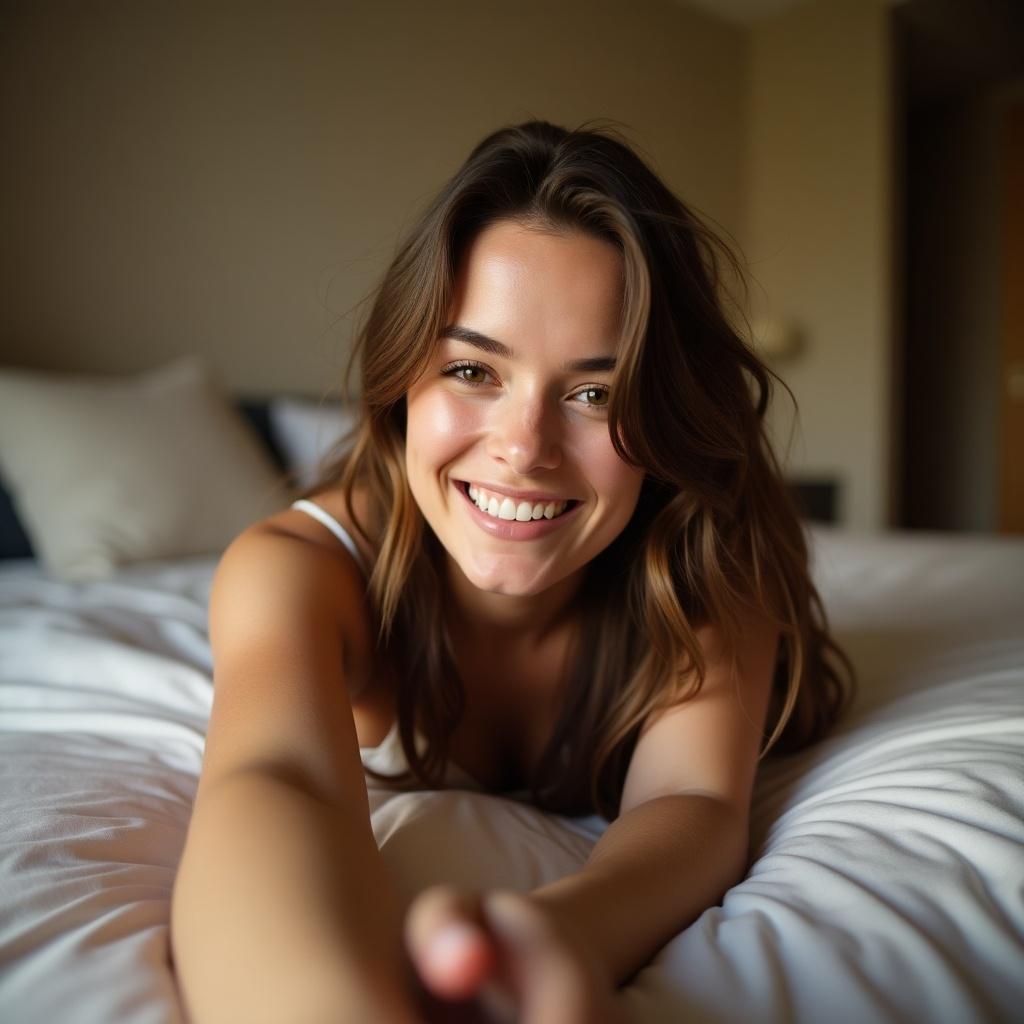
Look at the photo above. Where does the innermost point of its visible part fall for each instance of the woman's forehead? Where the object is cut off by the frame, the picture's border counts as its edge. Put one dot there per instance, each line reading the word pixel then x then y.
pixel 518 283
pixel 507 250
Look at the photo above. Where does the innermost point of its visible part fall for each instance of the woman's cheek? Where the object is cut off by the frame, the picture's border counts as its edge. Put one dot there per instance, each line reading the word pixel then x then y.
pixel 441 424
pixel 607 472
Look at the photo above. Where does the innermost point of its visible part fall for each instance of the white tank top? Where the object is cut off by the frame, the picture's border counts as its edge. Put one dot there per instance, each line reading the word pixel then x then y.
pixel 326 519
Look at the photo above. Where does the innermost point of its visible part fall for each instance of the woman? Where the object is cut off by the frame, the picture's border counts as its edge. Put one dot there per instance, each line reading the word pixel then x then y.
pixel 558 562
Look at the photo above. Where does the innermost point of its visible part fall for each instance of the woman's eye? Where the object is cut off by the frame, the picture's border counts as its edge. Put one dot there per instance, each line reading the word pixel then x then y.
pixel 468 373
pixel 595 397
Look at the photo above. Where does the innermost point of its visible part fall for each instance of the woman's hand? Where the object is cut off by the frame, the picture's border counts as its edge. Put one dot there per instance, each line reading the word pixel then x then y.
pixel 501 958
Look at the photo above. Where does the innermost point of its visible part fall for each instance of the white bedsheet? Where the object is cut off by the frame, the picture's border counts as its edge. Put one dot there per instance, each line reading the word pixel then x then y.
pixel 887 881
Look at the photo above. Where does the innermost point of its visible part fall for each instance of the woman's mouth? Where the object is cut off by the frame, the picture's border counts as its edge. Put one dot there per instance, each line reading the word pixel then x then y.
pixel 500 506
pixel 511 519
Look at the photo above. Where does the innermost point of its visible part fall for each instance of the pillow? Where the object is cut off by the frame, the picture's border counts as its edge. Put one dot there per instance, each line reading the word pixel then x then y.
pixel 308 433
pixel 107 470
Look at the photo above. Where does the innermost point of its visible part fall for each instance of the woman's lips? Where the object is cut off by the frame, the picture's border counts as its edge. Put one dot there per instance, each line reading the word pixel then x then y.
pixel 512 529
pixel 515 494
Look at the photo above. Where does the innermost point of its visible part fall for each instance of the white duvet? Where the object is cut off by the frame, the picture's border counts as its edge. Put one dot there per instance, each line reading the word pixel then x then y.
pixel 887 878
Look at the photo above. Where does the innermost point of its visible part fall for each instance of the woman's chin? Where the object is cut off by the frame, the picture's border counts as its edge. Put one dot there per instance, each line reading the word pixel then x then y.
pixel 506 586
pixel 505 579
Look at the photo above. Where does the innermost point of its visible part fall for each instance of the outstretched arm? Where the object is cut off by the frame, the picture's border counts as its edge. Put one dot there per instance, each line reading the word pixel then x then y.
pixel 656 869
pixel 283 908
pixel 681 838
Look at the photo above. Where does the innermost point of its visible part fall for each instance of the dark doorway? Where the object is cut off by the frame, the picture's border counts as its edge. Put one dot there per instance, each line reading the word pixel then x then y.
pixel 961 70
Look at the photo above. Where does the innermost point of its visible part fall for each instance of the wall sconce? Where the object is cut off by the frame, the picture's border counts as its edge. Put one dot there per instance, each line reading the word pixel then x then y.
pixel 778 339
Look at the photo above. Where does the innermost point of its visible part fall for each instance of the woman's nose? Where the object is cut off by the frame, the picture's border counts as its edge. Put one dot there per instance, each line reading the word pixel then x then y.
pixel 524 435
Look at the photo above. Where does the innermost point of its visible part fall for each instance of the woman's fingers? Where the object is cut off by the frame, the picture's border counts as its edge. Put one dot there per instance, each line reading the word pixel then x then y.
pixel 447 941
pixel 506 954
pixel 551 980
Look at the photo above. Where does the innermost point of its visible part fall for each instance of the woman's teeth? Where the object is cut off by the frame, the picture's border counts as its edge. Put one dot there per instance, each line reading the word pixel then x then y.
pixel 502 507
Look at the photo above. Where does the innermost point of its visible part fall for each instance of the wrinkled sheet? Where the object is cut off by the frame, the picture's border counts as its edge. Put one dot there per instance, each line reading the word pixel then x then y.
pixel 887 877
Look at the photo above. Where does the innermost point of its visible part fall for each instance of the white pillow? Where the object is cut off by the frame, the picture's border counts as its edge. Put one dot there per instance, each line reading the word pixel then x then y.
pixel 106 470
pixel 308 433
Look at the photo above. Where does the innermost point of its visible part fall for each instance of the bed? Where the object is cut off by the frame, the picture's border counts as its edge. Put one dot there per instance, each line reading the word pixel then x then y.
pixel 887 863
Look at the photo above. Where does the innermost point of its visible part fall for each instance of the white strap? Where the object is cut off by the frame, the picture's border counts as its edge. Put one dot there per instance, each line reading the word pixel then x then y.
pixel 332 524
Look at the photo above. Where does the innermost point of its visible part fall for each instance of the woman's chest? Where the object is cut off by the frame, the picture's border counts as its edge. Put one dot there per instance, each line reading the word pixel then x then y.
pixel 511 710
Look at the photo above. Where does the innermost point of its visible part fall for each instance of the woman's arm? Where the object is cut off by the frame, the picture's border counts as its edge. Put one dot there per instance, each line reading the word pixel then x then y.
pixel 282 909
pixel 656 869
pixel 681 838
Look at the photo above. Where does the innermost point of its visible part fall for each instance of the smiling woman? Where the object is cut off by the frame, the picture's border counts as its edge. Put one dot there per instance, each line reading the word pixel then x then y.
pixel 529 431
pixel 569 571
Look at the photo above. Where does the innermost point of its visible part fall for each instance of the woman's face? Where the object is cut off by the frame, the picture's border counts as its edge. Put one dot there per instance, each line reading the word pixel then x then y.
pixel 513 413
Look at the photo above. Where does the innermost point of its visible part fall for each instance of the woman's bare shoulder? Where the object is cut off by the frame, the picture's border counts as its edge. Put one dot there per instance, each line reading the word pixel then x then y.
pixel 292 553
pixel 291 559
pixel 296 523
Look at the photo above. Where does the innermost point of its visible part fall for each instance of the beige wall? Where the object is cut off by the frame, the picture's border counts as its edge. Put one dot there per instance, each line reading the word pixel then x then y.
pixel 817 233
pixel 229 178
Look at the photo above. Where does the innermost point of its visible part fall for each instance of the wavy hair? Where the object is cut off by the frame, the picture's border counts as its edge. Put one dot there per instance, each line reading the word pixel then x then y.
pixel 716 531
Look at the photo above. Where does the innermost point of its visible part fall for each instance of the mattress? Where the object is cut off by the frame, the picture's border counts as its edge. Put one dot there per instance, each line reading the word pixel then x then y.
pixel 886 878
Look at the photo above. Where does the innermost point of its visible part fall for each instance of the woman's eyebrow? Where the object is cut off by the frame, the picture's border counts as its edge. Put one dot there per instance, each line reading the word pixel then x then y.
pixel 459 333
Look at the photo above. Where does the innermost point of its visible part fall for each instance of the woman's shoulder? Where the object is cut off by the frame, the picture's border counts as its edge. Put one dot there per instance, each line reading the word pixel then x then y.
pixel 317 522
pixel 316 561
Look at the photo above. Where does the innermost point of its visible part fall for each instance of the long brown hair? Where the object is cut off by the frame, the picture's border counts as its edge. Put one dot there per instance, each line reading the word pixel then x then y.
pixel 716 531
